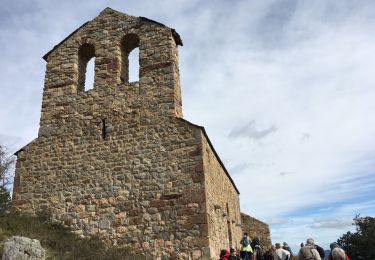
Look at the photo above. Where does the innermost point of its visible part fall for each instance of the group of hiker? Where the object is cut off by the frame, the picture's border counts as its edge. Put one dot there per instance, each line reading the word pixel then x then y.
pixel 313 251
pixel 252 250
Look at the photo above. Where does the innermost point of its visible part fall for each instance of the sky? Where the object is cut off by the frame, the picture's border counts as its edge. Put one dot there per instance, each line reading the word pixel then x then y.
pixel 284 89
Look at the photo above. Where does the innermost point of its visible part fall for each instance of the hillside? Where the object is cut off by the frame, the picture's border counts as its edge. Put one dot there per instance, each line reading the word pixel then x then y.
pixel 58 241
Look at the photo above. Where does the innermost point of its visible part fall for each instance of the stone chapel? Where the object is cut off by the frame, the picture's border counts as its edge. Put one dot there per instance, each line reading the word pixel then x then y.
pixel 119 160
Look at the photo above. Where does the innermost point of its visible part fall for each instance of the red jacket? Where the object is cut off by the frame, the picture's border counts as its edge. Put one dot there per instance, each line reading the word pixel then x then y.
pixel 225 256
pixel 330 257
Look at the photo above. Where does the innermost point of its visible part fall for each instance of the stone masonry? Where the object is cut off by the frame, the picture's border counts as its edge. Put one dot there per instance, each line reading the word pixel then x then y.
pixel 256 228
pixel 118 160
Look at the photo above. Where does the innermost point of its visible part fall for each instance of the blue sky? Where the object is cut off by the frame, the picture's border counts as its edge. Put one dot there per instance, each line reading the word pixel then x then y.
pixel 285 90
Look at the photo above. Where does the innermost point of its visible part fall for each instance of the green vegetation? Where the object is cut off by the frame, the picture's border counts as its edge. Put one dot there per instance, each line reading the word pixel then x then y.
pixel 58 241
pixel 360 244
pixel 6 164
pixel 5 200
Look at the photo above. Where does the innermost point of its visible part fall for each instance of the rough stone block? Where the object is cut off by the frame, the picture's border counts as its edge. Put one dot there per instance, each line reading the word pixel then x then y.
pixel 199 219
pixel 18 247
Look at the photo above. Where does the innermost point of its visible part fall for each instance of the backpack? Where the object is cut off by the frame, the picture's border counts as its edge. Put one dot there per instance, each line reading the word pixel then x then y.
pixel 287 248
pixel 255 242
pixel 268 255
pixel 311 256
pixel 320 251
pixel 245 242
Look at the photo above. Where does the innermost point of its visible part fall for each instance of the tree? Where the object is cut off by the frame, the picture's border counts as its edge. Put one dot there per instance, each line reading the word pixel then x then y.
pixel 6 164
pixel 361 243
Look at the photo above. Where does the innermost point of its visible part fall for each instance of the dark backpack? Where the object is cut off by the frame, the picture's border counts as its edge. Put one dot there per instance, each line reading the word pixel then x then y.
pixel 268 255
pixel 255 242
pixel 287 248
pixel 245 242
pixel 320 251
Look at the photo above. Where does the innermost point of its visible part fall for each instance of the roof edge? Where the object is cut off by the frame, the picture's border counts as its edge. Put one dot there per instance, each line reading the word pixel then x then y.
pixel 24 147
pixel 151 21
pixel 214 151
pixel 45 57
pixel 175 35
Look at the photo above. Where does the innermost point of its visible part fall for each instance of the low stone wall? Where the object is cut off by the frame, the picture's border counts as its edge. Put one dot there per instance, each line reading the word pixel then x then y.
pixel 255 227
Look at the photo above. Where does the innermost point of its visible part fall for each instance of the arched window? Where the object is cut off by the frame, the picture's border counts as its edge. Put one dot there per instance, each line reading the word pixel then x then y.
pixel 86 60
pixel 130 58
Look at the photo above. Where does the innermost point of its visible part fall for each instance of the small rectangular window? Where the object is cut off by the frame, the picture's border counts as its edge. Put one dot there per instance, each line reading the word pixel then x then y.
pixel 104 130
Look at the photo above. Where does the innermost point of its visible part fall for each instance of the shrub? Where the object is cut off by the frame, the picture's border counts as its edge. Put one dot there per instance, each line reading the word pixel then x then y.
pixel 360 244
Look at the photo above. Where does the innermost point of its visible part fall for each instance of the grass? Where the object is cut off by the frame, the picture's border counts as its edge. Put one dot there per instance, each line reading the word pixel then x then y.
pixel 59 241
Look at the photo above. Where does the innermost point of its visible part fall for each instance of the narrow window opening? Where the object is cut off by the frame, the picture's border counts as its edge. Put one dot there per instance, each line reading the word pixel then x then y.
pixel 129 58
pixel 90 74
pixel 86 67
pixel 134 65
pixel 104 130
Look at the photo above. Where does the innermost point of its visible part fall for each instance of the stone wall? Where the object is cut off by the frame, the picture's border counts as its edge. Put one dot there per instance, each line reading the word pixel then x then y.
pixel 117 160
pixel 223 205
pixel 255 227
pixel 136 187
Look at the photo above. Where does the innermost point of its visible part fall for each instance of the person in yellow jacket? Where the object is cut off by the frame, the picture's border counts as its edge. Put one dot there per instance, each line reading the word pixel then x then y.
pixel 246 250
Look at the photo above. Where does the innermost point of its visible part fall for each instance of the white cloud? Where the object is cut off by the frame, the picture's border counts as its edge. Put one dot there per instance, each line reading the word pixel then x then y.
pixel 279 221
pixel 251 131
pixel 330 223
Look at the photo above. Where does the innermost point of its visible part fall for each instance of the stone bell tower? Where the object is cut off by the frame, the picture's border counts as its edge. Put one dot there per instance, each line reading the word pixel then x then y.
pixel 118 160
pixel 109 39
